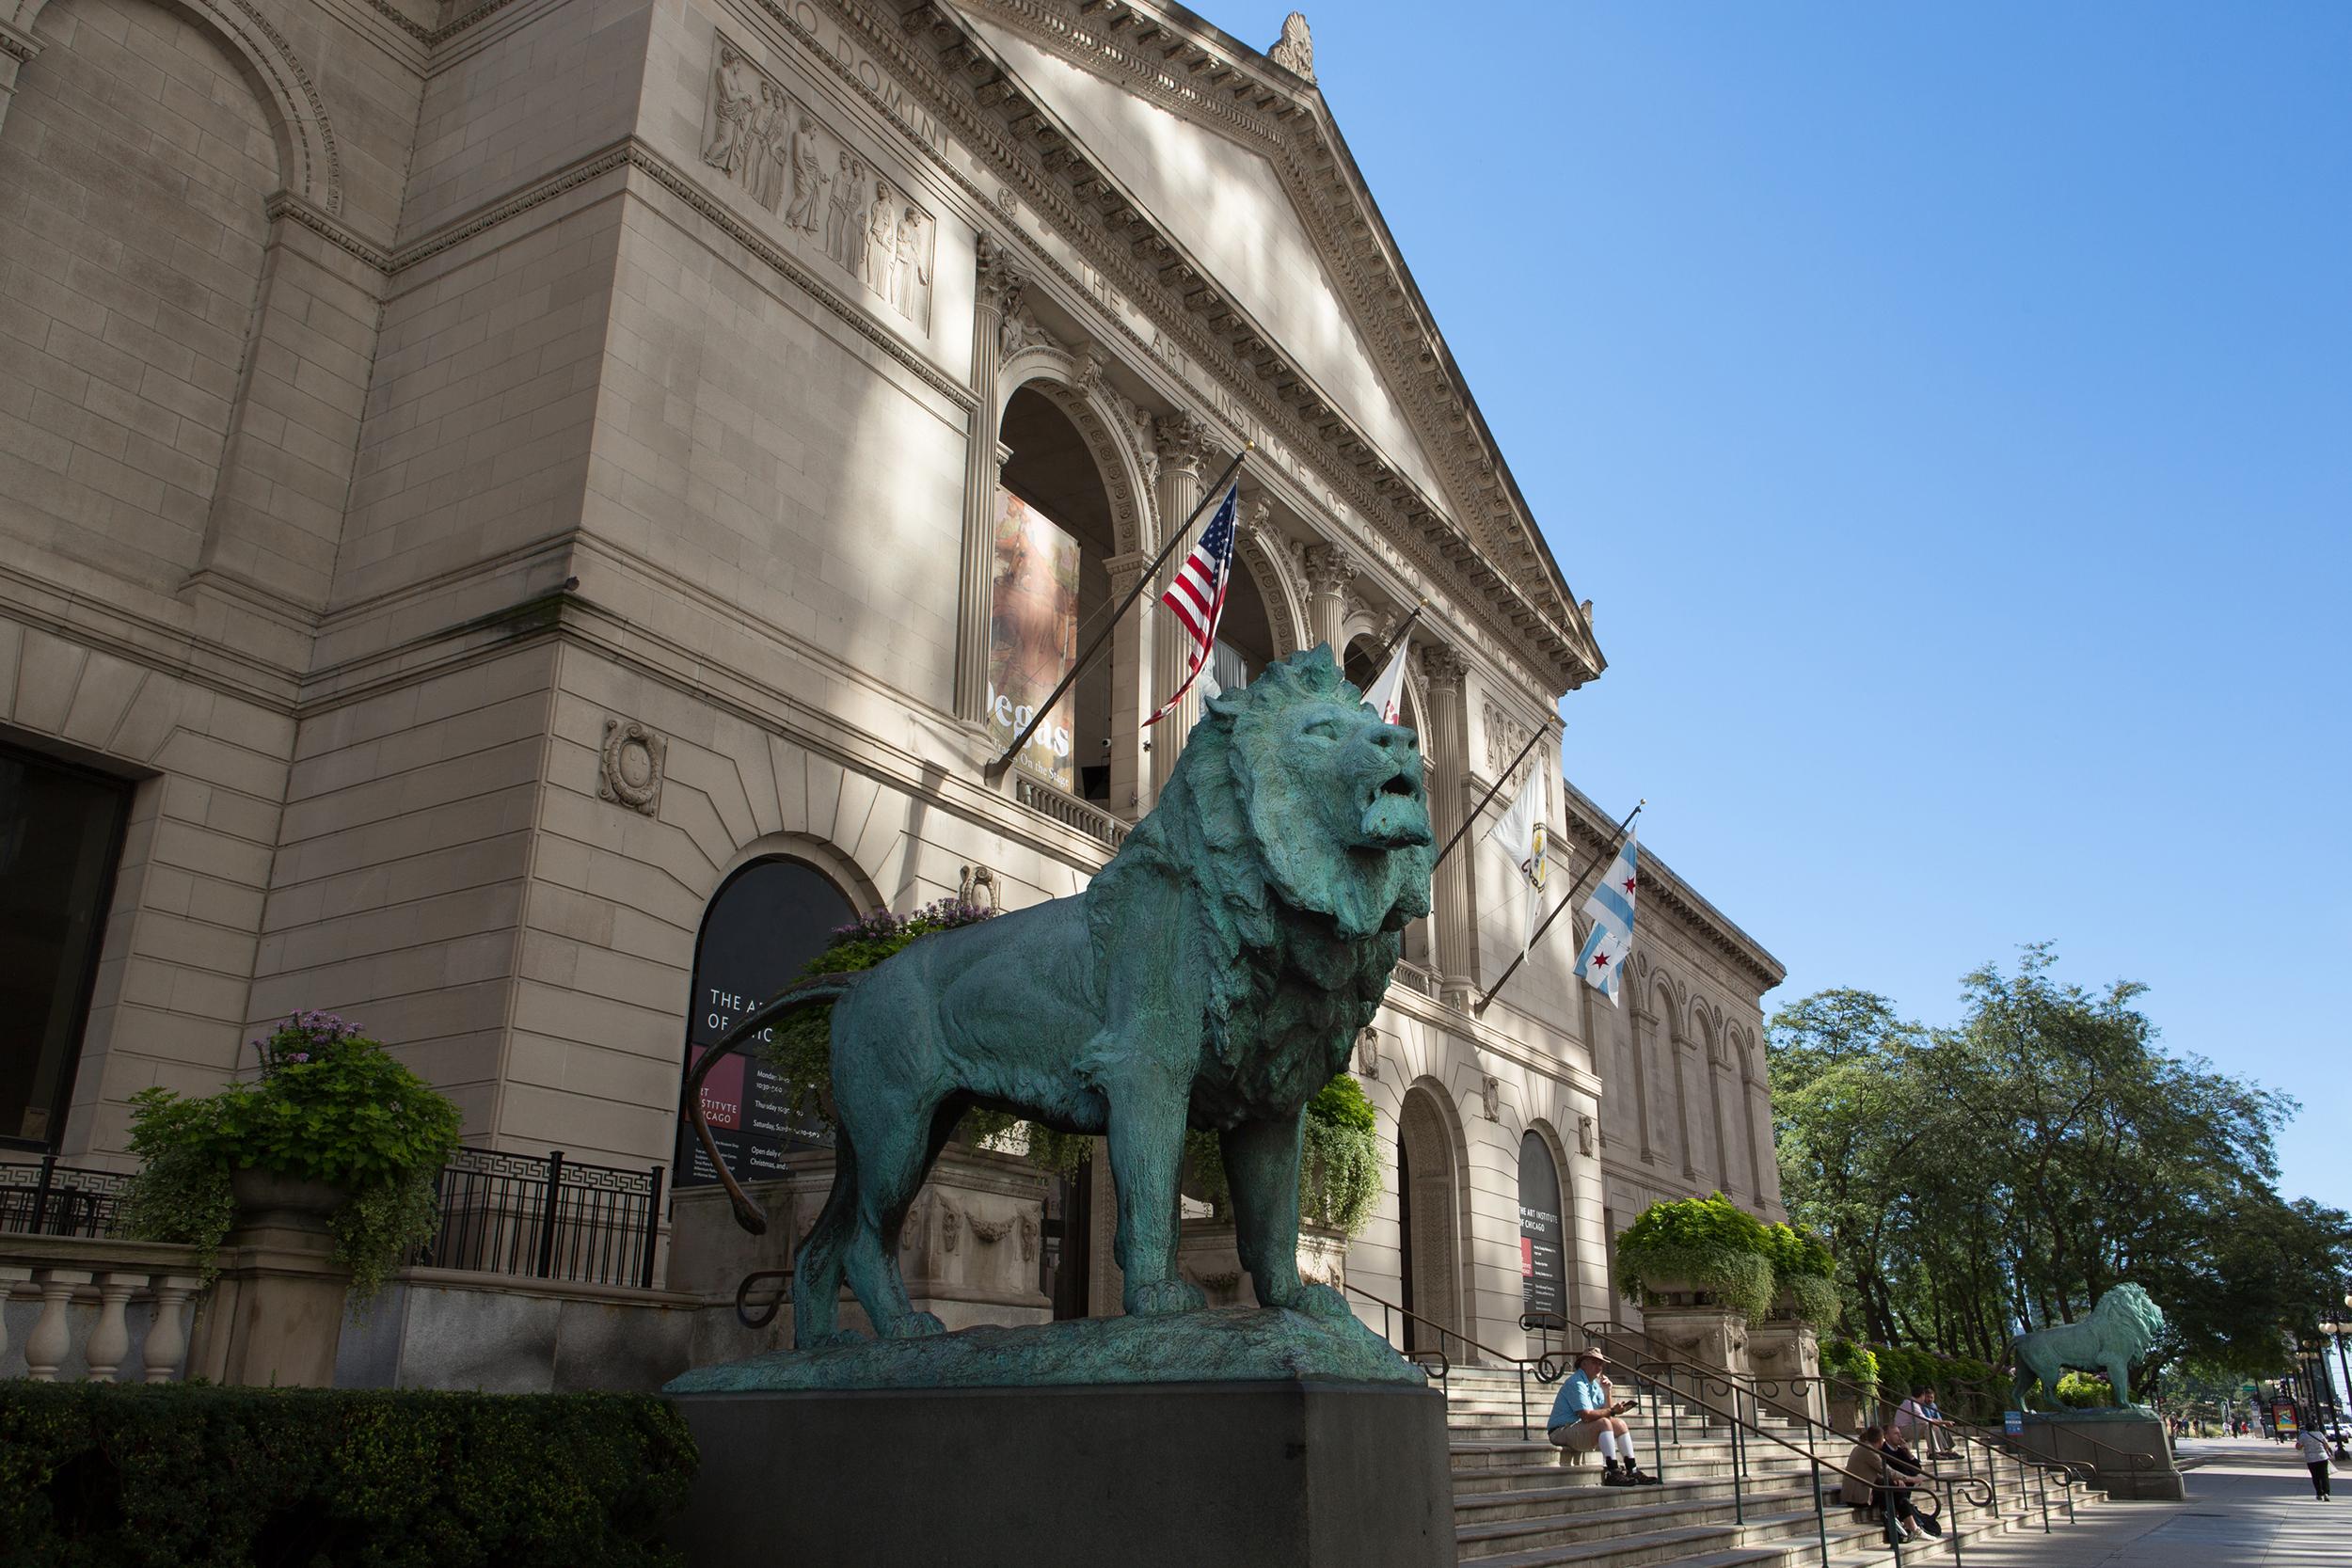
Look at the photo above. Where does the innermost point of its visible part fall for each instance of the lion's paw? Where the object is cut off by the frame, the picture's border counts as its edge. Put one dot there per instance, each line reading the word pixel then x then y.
pixel 1321 1301
pixel 918 1325
pixel 1162 1297
pixel 833 1338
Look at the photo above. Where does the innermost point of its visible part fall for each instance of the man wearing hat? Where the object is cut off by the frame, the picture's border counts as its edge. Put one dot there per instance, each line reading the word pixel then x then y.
pixel 1588 1416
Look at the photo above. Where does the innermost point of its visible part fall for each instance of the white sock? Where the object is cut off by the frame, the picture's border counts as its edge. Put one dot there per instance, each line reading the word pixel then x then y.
pixel 1609 1445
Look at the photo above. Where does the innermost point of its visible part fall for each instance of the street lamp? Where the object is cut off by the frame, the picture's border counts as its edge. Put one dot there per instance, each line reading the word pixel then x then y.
pixel 2338 1325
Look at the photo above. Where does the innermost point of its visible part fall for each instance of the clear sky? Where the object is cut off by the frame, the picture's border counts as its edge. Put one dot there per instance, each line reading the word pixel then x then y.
pixel 1950 409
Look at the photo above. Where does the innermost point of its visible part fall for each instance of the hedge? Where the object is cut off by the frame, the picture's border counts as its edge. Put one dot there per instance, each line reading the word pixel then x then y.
pixel 175 1475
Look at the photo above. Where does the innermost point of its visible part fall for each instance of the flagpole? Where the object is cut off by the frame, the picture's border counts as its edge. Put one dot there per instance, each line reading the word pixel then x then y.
pixel 1501 779
pixel 1607 857
pixel 995 770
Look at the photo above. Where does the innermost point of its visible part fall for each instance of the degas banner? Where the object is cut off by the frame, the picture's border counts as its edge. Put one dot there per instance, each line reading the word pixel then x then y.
pixel 1033 636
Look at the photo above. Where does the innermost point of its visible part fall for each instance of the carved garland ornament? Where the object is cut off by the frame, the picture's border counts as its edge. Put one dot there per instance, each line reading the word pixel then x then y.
pixel 630 765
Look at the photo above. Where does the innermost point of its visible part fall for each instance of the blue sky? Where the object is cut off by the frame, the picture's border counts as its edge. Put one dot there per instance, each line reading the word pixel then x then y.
pixel 1950 409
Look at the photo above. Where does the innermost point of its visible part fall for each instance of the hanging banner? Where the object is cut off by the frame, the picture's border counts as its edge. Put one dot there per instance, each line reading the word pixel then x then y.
pixel 1033 636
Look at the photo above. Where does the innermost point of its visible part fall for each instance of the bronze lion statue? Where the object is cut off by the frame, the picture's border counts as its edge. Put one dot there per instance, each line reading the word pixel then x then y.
pixel 2120 1330
pixel 1213 975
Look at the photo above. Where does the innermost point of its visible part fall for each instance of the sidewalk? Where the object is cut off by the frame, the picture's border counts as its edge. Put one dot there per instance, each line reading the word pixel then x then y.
pixel 2249 1506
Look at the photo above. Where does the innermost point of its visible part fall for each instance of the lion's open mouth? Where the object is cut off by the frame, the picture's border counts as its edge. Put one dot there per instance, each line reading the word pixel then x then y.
pixel 1394 814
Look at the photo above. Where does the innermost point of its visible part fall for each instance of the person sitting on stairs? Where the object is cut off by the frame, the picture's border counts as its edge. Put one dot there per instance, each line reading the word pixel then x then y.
pixel 1887 1489
pixel 1588 1416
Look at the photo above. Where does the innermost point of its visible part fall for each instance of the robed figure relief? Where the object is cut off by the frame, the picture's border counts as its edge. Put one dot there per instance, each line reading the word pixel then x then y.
pixel 912 271
pixel 808 178
pixel 734 99
pixel 881 241
pixel 845 233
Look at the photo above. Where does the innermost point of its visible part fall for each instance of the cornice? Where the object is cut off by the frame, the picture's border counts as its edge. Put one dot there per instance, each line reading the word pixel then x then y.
pixel 969 89
pixel 1170 57
pixel 1595 830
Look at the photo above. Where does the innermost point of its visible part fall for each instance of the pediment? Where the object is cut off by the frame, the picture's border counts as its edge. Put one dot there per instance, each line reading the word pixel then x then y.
pixel 1226 203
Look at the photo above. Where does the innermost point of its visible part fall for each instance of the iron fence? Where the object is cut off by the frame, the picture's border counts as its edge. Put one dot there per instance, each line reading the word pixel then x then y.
pixel 546 1217
pixel 45 1198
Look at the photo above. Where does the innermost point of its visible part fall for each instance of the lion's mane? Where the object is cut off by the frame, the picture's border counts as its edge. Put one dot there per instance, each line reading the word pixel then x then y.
pixel 1301 933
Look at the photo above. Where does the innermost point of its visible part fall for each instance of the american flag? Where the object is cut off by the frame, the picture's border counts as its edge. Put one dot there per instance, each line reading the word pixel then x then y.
pixel 1195 596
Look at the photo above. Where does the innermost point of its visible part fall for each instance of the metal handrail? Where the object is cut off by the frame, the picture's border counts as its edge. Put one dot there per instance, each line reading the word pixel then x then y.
pixel 1445 1366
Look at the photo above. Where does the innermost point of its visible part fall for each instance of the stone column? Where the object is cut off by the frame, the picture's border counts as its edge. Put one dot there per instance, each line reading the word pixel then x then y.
pixel 1329 572
pixel 1184 442
pixel 997 289
pixel 1457 958
pixel 1130 691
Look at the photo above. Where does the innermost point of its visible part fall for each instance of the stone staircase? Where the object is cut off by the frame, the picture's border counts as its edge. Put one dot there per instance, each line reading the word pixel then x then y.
pixel 1519 1504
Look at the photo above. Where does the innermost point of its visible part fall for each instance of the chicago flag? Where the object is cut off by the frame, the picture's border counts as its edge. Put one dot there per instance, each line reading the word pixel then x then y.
pixel 1610 911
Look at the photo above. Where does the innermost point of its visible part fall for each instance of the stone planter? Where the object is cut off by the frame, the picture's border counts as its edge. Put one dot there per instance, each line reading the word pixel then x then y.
pixel 276 1315
pixel 1788 1352
pixel 1695 1330
pixel 1208 1255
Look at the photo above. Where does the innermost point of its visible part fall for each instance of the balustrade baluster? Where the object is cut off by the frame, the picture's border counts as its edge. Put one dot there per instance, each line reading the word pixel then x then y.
pixel 110 1341
pixel 167 1339
pixel 47 1346
pixel 11 1276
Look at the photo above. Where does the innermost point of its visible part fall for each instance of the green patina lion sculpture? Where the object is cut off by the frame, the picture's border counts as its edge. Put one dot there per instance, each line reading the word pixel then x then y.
pixel 2120 1331
pixel 1213 975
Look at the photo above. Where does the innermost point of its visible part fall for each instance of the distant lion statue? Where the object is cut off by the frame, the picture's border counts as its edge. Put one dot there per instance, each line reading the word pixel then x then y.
pixel 1213 975
pixel 2120 1331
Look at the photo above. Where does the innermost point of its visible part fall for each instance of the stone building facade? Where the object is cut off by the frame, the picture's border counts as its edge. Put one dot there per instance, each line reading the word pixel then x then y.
pixel 482 476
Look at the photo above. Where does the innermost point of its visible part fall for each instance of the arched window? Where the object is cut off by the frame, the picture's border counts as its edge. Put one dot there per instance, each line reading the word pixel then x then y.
pixel 1543 1253
pixel 764 924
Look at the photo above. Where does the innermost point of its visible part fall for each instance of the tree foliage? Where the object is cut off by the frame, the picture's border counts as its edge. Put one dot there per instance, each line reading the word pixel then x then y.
pixel 2007 1171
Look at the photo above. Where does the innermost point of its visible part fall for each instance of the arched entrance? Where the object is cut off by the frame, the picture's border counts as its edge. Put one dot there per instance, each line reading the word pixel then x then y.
pixel 764 924
pixel 1542 1250
pixel 1051 582
pixel 1428 1236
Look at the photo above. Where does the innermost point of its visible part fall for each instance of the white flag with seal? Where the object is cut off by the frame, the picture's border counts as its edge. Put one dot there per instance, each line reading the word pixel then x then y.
pixel 1611 908
pixel 1521 833
pixel 1386 695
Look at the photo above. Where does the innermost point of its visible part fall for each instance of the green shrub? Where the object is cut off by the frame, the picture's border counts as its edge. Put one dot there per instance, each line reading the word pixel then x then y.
pixel 103 1475
pixel 1709 1242
pixel 1804 1274
pixel 1339 1173
pixel 331 1106
pixel 1855 1363
pixel 2085 1391
pixel 1966 1388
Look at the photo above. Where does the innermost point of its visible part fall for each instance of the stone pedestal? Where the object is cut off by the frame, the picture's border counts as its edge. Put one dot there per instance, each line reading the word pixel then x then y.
pixel 2128 1450
pixel 275 1314
pixel 1207 1254
pixel 1305 1474
pixel 1707 1334
pixel 1786 1352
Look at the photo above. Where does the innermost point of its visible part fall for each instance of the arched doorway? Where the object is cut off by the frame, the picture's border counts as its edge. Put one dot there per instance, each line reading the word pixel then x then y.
pixel 1543 1230
pixel 763 925
pixel 1428 1239
pixel 1051 582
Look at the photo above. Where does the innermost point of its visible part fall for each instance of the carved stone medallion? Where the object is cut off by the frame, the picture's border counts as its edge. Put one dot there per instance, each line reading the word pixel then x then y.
pixel 630 765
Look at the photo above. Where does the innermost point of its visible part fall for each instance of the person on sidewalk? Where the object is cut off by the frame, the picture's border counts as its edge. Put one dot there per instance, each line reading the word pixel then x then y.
pixel 2315 1449
pixel 1588 1416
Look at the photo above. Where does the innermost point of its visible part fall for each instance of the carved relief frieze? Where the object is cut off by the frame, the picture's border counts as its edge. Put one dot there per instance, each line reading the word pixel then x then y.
pixel 629 766
pixel 827 196
pixel 1506 737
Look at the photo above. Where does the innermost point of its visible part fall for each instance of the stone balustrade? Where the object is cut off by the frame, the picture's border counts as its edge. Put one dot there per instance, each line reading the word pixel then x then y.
pixel 76 1308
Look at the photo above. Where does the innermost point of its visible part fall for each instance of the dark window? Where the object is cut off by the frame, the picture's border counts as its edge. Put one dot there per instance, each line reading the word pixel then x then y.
pixel 767 922
pixel 60 835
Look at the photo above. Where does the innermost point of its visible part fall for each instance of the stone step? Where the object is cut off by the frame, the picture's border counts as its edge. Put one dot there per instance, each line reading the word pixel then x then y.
pixel 1608 1508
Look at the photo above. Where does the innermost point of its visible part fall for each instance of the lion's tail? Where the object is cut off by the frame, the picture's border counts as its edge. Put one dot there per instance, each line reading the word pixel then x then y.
pixel 813 992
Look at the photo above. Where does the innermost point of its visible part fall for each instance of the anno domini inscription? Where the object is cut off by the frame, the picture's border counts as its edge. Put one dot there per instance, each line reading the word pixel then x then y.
pixel 829 198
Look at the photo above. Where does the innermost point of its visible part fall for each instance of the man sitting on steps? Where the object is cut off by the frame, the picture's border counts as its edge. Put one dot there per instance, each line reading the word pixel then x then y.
pixel 1587 1416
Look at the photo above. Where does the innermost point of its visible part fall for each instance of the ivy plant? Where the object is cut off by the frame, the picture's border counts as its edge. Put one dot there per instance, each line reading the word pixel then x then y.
pixel 1803 1275
pixel 329 1105
pixel 1705 1244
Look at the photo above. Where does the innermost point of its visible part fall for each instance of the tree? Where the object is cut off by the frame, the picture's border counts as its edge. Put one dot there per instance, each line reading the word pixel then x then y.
pixel 2010 1170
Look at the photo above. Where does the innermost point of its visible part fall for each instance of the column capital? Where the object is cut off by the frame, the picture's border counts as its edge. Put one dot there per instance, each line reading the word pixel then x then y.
pixel 1181 441
pixel 1444 668
pixel 1330 568
pixel 998 281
